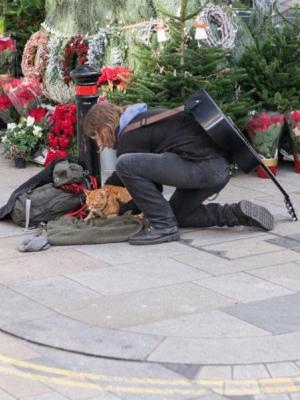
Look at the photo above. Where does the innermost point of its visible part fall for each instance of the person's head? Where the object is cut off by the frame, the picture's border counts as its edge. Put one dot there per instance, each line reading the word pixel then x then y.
pixel 101 123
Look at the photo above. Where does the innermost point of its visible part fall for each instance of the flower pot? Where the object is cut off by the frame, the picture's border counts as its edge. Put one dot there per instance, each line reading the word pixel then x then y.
pixel 269 162
pixel 20 162
pixel 297 163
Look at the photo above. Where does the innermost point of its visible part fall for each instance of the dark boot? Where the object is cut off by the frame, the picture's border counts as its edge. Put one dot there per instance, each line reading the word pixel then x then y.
pixel 153 235
pixel 250 214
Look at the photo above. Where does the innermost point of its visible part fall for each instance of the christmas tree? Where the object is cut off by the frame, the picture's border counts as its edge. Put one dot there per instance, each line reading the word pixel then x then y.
pixel 175 69
pixel 273 66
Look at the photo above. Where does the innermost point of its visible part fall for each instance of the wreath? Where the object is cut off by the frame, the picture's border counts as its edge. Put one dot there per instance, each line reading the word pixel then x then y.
pixel 76 52
pixel 35 56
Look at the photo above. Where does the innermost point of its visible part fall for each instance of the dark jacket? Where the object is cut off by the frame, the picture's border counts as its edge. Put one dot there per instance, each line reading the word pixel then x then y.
pixel 179 134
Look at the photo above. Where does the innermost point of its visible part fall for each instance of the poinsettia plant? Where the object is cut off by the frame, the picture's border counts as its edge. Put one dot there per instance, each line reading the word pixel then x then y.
pixel 113 80
pixel 62 137
pixel 7 54
pixel 24 95
pixel 6 108
pixel 264 132
pixel 293 121
pixel 24 139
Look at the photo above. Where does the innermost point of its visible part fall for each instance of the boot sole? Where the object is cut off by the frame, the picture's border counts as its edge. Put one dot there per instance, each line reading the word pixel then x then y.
pixel 164 239
pixel 261 216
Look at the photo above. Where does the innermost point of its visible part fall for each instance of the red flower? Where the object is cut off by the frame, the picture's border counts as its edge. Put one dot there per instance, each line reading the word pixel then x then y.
pixel 5 103
pixel 64 122
pixel 7 44
pixel 263 121
pixel 53 155
pixel 113 75
pixel 296 116
pixel 37 113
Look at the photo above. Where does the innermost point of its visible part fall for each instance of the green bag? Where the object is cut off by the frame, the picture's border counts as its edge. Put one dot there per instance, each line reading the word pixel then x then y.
pixel 43 204
pixel 66 172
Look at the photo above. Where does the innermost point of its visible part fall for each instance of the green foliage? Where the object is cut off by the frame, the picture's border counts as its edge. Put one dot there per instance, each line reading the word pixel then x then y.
pixel 22 18
pixel 273 66
pixel 169 74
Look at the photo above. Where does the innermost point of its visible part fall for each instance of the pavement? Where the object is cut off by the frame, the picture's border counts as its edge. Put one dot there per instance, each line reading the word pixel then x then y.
pixel 214 316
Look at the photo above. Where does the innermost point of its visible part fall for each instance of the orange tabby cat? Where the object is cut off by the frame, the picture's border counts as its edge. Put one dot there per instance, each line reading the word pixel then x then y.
pixel 104 202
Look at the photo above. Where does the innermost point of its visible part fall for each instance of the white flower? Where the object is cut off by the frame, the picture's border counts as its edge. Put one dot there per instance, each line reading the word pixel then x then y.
pixel 30 121
pixel 296 131
pixel 5 139
pixel 11 126
pixel 37 131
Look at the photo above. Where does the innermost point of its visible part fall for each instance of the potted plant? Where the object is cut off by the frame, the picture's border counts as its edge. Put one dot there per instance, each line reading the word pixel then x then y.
pixel 22 140
pixel 293 122
pixel 264 131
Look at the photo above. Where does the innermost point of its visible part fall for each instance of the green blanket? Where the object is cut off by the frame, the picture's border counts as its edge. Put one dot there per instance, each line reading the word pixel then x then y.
pixel 70 231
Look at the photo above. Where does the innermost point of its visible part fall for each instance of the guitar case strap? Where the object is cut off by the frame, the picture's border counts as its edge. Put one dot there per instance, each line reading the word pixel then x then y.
pixel 153 119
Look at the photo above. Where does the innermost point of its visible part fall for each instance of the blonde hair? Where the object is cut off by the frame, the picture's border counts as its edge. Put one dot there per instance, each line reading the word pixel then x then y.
pixel 101 122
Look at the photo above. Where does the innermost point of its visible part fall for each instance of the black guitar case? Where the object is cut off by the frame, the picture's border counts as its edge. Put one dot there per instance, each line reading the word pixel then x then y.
pixel 227 136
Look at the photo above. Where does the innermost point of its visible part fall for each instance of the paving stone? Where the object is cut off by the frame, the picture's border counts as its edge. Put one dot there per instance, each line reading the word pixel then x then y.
pixel 55 291
pixel 211 324
pixel 294 236
pixel 14 348
pixel 8 247
pixel 279 315
pixel 146 306
pixel 295 396
pixel 16 308
pixel 287 228
pixel 123 253
pixel 137 277
pixel 241 388
pixel 47 396
pixel 105 396
pixel 228 351
pixel 285 241
pixel 287 275
pixel 284 369
pixel 260 185
pixel 280 396
pixel 211 396
pixel 86 339
pixel 188 371
pixel 215 373
pixel 219 266
pixel 240 398
pixel 256 371
pixel 5 396
pixel 214 235
pixel 44 265
pixel 8 229
pixel 243 287
pixel 74 393
pixel 20 387
pixel 119 372
pixel 242 248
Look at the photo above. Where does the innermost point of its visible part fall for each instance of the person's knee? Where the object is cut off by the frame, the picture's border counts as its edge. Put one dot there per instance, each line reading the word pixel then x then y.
pixel 124 164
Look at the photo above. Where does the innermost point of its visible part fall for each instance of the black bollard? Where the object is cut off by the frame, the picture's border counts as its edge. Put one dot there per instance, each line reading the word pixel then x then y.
pixel 85 78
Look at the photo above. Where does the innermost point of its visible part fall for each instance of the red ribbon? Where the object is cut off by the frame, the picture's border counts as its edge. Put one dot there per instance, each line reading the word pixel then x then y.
pixel 86 90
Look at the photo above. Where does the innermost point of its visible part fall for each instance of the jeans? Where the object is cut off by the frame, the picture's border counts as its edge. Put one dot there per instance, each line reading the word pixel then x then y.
pixel 195 181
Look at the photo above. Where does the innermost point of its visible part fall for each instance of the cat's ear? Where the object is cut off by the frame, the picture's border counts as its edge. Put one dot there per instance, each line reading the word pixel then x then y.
pixel 86 191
